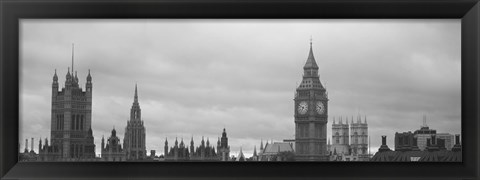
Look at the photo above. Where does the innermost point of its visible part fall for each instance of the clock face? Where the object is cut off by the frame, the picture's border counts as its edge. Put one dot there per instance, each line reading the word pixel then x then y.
pixel 320 107
pixel 302 107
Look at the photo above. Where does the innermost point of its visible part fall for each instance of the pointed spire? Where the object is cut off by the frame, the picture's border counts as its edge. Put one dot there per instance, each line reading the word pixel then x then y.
pixel 365 122
pixel 89 77
pixel 55 77
pixel 424 121
pixel 76 77
pixel 333 119
pixel 261 144
pixel 136 93
pixel 311 63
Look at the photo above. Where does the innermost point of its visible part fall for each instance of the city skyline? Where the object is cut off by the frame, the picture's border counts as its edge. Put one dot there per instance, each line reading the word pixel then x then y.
pixel 197 84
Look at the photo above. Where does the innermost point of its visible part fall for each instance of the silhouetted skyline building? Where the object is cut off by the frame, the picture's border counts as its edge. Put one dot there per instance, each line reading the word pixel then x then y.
pixel 134 139
pixel 204 152
pixel 71 133
pixel 112 151
pixel 311 114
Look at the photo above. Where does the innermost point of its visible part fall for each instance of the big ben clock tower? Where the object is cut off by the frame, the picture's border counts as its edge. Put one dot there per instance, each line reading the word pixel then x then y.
pixel 311 113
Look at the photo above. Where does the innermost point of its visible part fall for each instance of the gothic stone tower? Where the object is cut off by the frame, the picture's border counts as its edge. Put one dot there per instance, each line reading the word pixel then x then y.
pixel 359 136
pixel 223 149
pixel 71 121
pixel 311 113
pixel 134 140
pixel 340 137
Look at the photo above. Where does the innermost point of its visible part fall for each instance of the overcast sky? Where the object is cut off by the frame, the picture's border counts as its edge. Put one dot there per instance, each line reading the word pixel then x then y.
pixel 196 77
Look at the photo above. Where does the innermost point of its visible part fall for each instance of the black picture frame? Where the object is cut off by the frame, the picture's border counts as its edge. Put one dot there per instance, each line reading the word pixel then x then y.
pixel 13 10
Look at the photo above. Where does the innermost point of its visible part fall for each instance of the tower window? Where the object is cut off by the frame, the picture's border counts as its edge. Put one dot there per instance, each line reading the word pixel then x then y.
pixel 72 124
pixel 81 123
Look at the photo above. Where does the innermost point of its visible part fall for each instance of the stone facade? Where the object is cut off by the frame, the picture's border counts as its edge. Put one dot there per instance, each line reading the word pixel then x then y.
pixel 340 137
pixel 223 149
pixel 311 113
pixel 71 133
pixel 134 139
pixel 359 136
pixel 113 150
pixel 204 152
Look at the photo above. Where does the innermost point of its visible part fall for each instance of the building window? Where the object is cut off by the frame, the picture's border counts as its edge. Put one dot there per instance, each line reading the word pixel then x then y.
pixel 77 121
pixel 81 122
pixel 72 125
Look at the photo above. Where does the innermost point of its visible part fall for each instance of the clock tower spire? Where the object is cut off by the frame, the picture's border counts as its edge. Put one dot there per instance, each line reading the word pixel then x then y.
pixel 311 113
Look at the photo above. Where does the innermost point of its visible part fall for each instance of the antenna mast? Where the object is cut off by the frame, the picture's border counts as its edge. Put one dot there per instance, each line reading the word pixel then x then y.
pixel 73 50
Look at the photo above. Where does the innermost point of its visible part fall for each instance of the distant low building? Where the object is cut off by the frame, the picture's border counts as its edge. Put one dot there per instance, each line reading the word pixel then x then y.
pixel 277 151
pixel 433 152
pixel 449 139
pixel 28 155
pixel 405 141
pixel 204 152
pixel 423 134
pixel 113 150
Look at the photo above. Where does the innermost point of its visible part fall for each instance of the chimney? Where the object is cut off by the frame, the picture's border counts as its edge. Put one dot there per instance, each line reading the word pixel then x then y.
pixel 384 140
pixel 26 145
pixel 457 139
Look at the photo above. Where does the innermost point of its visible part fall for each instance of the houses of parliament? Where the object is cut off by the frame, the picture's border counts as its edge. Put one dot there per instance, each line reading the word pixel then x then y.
pixel 72 135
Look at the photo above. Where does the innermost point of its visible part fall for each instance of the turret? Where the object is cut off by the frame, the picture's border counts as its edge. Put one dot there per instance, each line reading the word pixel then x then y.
pixel 88 84
pixel 76 78
pixel 224 140
pixel 103 143
pixel 31 150
pixel 40 145
pixel 261 145
pixel 310 68
pixel 192 148
pixel 55 84
pixel 68 79
pixel 166 147
pixel 181 143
